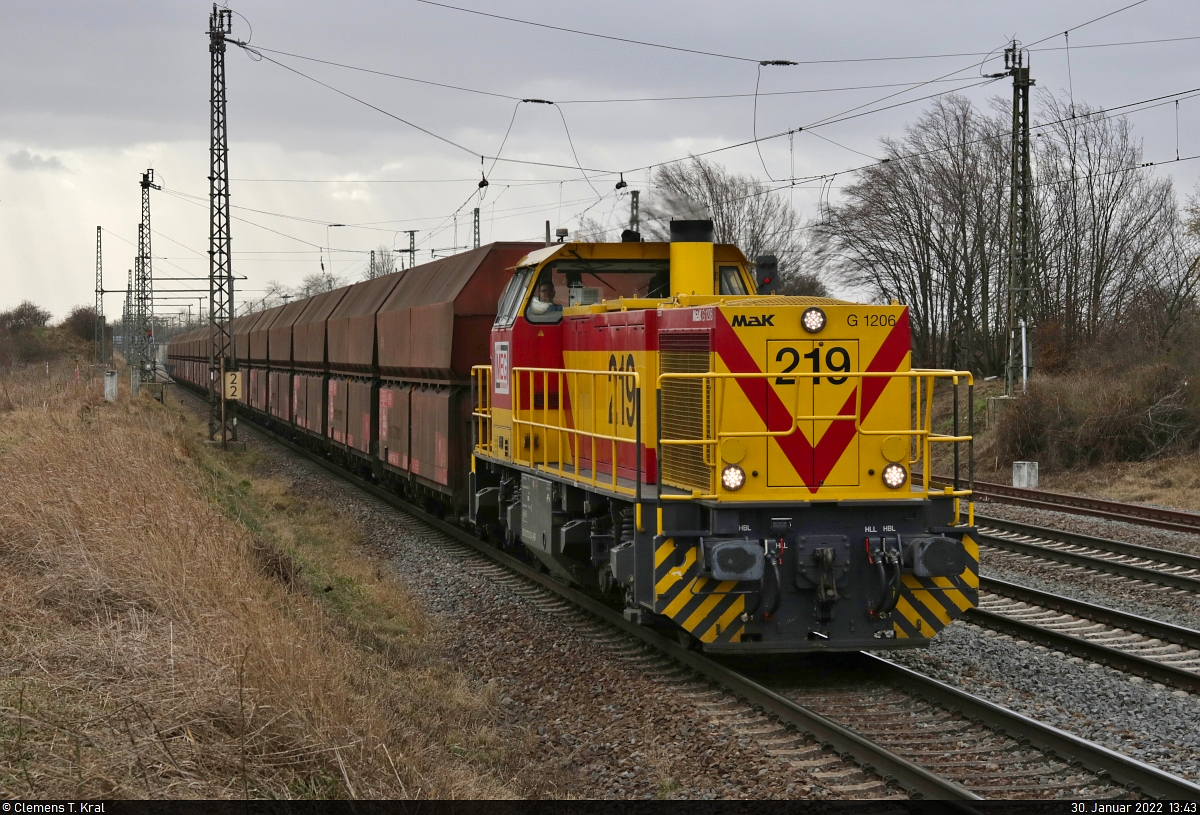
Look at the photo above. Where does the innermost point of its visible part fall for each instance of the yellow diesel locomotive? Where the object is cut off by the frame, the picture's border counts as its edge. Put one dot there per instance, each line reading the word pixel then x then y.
pixel 749 469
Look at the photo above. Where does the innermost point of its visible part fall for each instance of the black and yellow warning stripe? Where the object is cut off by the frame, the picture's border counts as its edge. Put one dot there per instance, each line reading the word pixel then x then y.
pixel 710 610
pixel 929 604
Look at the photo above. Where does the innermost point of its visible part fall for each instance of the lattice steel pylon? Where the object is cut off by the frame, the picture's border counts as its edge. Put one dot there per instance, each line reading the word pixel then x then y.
pixel 127 319
pixel 99 301
pixel 1020 234
pixel 222 420
pixel 143 289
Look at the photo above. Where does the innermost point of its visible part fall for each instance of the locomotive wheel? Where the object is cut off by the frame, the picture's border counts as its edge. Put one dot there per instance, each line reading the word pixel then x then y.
pixel 687 640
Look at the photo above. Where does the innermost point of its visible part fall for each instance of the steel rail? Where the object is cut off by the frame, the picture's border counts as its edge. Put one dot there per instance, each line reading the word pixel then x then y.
pixel 914 778
pixel 873 757
pixel 1083 647
pixel 1167 556
pixel 1106 763
pixel 1161 518
pixel 1191 584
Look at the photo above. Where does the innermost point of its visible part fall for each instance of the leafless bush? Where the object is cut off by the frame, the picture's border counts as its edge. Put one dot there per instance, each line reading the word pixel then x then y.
pixel 26 337
pixel 24 317
pixel 1091 418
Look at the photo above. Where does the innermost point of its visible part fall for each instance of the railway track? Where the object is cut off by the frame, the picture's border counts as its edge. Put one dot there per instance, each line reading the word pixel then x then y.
pixel 1128 560
pixel 1158 517
pixel 985 748
pixel 1155 650
pixel 900 728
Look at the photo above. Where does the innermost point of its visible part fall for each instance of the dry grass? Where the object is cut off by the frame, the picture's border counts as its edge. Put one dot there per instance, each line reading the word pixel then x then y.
pixel 1170 481
pixel 165 629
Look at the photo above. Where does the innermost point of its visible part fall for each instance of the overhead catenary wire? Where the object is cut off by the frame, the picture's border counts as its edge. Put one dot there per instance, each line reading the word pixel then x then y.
pixel 351 96
pixel 584 173
pixel 846 115
pixel 587 33
pixel 711 96
pixel 740 58
pixel 792 182
pixel 1105 113
pixel 852 113
pixel 754 132
pixel 824 178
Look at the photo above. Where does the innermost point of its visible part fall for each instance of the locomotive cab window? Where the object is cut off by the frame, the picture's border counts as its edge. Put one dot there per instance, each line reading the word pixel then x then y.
pixel 545 306
pixel 731 281
pixel 510 299
pixel 585 282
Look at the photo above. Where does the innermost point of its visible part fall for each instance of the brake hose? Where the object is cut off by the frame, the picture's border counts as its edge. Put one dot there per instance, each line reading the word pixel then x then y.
pixel 893 559
pixel 881 560
pixel 778 591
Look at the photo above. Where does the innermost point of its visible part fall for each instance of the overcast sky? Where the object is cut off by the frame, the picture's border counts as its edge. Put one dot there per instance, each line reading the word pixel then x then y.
pixel 94 94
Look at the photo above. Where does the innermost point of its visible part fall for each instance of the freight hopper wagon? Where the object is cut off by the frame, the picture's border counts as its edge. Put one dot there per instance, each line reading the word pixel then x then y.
pixel 375 375
pixel 739 466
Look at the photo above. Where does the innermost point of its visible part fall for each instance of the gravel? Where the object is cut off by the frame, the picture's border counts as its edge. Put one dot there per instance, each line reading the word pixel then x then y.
pixel 1150 722
pixel 591 714
pixel 588 711
pixel 1155 724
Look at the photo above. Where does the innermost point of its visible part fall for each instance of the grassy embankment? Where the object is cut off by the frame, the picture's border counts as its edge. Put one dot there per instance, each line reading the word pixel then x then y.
pixel 170 627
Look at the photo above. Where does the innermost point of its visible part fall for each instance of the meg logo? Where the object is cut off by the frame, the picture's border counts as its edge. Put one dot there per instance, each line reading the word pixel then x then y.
pixel 500 366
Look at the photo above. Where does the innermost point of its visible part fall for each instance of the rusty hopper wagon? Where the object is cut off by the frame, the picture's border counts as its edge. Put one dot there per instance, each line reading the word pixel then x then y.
pixel 648 419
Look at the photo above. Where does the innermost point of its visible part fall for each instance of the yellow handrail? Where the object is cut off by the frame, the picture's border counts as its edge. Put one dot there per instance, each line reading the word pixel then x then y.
pixel 583 428
pixel 920 429
pixel 481 414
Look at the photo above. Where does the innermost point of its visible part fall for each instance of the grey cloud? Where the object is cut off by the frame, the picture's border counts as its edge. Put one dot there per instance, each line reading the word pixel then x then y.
pixel 25 160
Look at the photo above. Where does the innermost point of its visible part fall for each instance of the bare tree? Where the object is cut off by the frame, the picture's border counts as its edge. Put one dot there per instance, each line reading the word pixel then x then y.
pixel 319 282
pixel 930 226
pixel 1106 228
pixel 744 211
pixel 276 293
pixel 25 317
pixel 927 226
pixel 383 261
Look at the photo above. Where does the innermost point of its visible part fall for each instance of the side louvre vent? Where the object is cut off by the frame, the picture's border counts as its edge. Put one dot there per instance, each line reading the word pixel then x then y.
pixel 686 409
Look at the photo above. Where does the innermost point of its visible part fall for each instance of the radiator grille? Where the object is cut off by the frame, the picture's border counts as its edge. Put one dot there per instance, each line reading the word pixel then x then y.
pixel 686 409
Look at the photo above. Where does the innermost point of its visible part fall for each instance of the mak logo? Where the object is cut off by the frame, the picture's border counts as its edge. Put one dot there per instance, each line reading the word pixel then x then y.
pixel 743 320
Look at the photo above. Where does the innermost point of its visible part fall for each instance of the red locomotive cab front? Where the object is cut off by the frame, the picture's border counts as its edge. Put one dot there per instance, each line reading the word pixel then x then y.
pixel 529 340
pixel 527 334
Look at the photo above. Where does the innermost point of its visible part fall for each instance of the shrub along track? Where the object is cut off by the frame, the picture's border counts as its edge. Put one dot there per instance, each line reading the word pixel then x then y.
pixel 895 727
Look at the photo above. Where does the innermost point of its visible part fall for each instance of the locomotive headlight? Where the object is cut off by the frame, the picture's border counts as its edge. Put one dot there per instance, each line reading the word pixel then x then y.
pixel 813 319
pixel 733 477
pixel 894 476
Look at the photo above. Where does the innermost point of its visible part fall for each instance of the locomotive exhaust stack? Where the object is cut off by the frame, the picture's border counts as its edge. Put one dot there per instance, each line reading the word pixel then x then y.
pixel 692 257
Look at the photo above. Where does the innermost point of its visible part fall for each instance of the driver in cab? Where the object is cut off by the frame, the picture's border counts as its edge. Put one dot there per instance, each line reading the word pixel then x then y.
pixel 543 305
